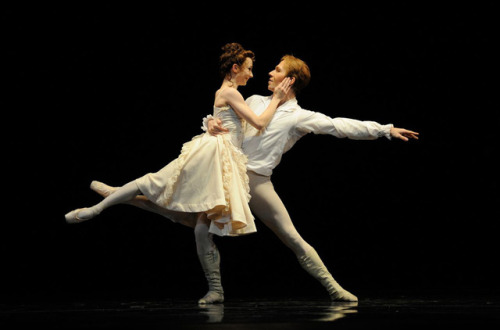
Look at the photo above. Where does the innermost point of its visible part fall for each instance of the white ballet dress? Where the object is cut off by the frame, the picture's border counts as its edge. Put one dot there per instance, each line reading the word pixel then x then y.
pixel 210 176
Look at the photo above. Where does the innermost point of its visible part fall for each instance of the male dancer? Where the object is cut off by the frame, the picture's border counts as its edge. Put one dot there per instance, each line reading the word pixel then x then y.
pixel 264 150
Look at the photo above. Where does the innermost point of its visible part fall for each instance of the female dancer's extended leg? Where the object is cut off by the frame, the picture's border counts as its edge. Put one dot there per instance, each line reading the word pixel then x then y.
pixel 206 249
pixel 121 195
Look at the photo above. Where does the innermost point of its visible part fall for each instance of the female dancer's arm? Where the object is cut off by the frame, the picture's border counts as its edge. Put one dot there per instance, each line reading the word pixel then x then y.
pixel 238 104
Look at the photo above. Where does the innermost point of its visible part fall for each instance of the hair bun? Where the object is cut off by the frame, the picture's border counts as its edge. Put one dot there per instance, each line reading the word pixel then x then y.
pixel 233 53
pixel 232 48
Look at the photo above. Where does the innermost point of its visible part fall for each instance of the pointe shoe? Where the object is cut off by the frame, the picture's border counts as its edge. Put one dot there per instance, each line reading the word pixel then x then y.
pixel 72 217
pixel 101 188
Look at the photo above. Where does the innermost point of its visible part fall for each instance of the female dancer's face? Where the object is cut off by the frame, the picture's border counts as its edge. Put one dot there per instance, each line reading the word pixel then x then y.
pixel 245 72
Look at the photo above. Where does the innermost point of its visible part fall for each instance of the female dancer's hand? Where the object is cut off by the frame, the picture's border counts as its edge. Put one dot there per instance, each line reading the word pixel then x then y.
pixel 283 88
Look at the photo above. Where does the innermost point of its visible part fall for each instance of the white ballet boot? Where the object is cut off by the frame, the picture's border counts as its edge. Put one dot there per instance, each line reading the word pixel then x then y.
pixel 312 263
pixel 210 262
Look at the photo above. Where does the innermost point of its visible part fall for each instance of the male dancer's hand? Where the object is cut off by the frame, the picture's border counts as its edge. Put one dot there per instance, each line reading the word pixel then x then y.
pixel 403 134
pixel 215 127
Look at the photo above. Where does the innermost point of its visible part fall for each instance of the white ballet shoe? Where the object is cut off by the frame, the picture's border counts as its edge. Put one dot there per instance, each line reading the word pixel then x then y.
pixel 212 297
pixel 102 189
pixel 73 216
pixel 343 295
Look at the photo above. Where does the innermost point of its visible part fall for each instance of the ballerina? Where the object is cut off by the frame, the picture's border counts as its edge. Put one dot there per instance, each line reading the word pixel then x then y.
pixel 209 176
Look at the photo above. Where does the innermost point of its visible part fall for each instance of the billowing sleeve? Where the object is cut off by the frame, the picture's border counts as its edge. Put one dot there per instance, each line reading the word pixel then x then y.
pixel 318 123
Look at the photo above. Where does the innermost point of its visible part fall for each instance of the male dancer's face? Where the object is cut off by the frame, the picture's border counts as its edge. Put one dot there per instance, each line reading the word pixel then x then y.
pixel 276 76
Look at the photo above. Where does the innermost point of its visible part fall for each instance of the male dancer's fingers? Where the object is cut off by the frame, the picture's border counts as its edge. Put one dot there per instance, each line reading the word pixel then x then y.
pixel 410 134
pixel 216 128
pixel 221 129
pixel 403 134
pixel 414 135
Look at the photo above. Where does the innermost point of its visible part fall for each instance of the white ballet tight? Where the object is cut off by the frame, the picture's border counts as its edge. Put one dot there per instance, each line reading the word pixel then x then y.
pixel 130 194
pixel 120 195
pixel 268 207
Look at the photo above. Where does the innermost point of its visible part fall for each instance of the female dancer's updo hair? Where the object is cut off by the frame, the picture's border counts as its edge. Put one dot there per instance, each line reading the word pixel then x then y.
pixel 233 53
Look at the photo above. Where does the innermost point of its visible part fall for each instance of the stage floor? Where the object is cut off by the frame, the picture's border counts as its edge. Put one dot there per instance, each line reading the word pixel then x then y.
pixel 401 312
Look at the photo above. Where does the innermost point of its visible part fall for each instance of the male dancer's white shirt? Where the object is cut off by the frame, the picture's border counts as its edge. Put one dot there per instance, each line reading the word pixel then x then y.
pixel 290 122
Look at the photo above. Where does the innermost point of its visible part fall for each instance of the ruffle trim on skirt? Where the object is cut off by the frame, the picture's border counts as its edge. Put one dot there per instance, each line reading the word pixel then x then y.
pixel 220 214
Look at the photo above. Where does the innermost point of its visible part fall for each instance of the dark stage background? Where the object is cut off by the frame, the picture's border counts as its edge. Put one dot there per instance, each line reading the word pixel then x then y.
pixel 112 92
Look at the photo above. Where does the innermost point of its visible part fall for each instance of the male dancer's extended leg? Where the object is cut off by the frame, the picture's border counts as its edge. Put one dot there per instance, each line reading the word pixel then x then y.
pixel 269 208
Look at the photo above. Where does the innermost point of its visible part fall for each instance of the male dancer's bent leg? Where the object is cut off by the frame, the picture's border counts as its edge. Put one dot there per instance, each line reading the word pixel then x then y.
pixel 269 208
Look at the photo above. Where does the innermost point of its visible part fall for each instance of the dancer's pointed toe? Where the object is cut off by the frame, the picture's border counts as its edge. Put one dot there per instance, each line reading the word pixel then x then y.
pixel 80 215
pixel 72 217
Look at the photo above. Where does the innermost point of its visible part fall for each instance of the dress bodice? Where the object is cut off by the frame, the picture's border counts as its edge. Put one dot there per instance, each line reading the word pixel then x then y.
pixel 232 122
